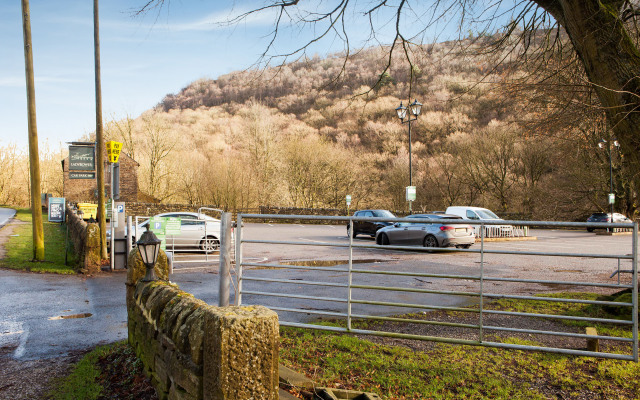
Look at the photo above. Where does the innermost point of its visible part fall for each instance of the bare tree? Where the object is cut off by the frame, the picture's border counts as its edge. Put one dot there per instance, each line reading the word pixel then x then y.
pixel 159 146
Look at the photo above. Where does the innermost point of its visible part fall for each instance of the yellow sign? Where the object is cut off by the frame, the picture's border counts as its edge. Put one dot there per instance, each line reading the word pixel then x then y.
pixel 113 151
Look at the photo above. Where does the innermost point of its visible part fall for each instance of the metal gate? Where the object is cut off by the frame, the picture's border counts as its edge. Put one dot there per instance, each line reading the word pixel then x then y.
pixel 298 298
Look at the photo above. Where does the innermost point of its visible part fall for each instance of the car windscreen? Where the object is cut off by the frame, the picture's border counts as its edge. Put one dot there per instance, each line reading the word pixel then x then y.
pixel 487 214
pixel 383 214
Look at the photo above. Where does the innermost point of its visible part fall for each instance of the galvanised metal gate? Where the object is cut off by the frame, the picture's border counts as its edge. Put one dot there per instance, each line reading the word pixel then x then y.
pixel 300 302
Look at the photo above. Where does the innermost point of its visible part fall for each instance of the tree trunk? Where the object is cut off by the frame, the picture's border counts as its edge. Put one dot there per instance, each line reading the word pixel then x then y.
pixel 34 155
pixel 612 64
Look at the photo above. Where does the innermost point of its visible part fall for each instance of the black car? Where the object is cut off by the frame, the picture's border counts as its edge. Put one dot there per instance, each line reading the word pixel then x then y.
pixel 370 227
pixel 605 217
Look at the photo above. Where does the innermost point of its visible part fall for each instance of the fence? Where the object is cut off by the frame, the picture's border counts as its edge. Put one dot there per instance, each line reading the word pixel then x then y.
pixel 468 302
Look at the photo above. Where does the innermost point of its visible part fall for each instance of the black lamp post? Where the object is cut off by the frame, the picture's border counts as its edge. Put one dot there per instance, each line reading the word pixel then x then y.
pixel 149 246
pixel 601 144
pixel 406 118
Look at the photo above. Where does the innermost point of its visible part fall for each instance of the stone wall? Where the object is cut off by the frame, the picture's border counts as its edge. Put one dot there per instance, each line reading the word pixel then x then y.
pixel 86 242
pixel 192 350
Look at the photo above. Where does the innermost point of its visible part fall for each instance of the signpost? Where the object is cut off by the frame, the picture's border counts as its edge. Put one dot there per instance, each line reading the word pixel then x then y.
pixel 348 203
pixel 56 209
pixel 113 153
pixel 612 199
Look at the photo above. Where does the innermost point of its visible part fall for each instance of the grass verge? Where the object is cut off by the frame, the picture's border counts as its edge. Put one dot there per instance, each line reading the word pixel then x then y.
pixel 19 247
pixel 107 372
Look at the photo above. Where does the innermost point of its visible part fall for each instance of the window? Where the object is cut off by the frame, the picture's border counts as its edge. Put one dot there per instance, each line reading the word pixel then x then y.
pixel 471 215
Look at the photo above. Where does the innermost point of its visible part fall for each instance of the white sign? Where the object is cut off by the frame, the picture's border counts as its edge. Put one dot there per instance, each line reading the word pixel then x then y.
pixel 348 199
pixel 612 198
pixel 411 193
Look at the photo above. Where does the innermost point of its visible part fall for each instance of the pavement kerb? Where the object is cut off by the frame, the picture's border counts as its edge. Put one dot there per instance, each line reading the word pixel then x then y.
pixel 294 379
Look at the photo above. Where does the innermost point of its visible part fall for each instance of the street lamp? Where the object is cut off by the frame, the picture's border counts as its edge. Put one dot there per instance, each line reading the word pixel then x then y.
pixel 407 115
pixel 149 246
pixel 601 145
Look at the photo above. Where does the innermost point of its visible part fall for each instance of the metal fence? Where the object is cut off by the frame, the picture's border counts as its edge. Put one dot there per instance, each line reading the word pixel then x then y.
pixel 344 288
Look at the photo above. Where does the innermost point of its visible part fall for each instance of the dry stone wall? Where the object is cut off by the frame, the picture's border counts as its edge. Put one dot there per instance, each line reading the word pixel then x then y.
pixel 86 242
pixel 192 350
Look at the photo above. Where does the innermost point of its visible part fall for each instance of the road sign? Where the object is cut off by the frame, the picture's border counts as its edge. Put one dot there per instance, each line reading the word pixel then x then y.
pixel 348 200
pixel 612 198
pixel 113 151
pixel 411 193
pixel 108 207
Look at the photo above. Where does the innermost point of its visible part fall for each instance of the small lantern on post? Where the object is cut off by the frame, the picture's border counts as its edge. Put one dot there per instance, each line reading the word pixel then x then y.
pixel 149 246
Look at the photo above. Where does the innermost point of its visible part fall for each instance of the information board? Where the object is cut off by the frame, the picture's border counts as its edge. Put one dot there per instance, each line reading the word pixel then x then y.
pixel 173 226
pixel 56 209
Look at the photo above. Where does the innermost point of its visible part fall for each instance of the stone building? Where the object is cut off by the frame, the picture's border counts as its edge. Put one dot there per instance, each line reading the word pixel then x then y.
pixel 81 186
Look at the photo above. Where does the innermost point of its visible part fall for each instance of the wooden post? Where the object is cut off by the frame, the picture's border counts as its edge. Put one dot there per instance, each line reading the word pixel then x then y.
pixel 34 155
pixel 99 136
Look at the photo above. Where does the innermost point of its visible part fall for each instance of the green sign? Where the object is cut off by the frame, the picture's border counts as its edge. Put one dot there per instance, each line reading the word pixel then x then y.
pixel 163 241
pixel 82 158
pixel 108 207
pixel 158 225
pixel 348 199
pixel 173 226
pixel 612 198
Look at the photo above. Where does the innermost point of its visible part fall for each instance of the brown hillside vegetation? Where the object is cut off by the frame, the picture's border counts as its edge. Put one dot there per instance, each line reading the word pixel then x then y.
pixel 310 132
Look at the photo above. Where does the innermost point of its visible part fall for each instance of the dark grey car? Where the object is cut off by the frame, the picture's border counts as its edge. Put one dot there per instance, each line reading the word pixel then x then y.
pixel 370 227
pixel 425 234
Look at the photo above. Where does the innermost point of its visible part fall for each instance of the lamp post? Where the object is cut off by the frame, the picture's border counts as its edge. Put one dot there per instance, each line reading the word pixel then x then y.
pixel 149 246
pixel 407 115
pixel 601 145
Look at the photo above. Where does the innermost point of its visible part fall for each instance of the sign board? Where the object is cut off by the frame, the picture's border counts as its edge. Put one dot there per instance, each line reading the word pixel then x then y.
pixel 82 175
pixel 82 158
pixel 612 198
pixel 113 151
pixel 158 225
pixel 411 193
pixel 56 209
pixel 173 226
pixel 108 208
pixel 348 199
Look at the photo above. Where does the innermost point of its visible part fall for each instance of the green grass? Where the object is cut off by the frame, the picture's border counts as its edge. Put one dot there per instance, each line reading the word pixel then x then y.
pixel 82 383
pixel 19 247
pixel 464 372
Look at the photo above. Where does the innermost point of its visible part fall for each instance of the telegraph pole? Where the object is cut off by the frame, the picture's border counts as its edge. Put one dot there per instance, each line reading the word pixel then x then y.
pixel 34 154
pixel 99 136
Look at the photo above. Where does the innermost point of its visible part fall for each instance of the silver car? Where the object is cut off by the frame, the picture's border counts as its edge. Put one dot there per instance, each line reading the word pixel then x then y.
pixel 434 234
pixel 197 231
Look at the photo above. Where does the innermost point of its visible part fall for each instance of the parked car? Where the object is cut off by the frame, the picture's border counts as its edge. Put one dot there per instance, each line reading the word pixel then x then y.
pixel 434 234
pixel 370 227
pixel 606 217
pixel 198 231
pixel 482 214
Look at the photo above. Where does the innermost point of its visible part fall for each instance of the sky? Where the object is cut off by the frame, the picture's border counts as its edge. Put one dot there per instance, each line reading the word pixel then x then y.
pixel 142 60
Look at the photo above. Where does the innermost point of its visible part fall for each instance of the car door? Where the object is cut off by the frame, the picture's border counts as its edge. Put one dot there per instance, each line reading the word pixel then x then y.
pixel 367 226
pixel 415 232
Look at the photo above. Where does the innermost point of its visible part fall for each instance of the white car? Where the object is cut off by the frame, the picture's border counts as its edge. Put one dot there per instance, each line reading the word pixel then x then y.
pixel 482 214
pixel 198 231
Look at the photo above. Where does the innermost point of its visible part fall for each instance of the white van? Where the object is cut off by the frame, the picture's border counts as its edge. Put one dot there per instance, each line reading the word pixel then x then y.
pixel 482 214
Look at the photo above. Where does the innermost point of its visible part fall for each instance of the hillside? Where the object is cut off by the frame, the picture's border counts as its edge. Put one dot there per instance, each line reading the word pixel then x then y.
pixel 310 132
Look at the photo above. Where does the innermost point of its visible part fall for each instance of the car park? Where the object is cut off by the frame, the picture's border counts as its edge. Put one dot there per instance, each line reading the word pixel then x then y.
pixel 370 227
pixel 428 234
pixel 606 217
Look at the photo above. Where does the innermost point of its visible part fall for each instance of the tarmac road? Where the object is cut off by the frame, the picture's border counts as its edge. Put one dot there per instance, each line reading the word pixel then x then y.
pixel 33 306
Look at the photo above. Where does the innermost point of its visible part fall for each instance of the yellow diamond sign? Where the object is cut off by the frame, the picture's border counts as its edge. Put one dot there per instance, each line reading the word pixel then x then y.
pixel 113 151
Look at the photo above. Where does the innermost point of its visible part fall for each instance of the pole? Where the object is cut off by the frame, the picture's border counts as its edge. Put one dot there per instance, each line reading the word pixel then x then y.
pixel 238 299
pixel 99 135
pixel 611 178
pixel 34 154
pixel 225 259
pixel 113 215
pixel 410 163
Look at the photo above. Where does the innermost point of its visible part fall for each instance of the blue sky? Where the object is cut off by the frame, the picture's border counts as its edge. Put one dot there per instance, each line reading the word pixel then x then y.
pixel 142 59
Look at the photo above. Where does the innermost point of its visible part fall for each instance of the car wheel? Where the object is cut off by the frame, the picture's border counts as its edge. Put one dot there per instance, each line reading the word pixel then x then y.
pixel 430 241
pixel 590 229
pixel 384 239
pixel 209 244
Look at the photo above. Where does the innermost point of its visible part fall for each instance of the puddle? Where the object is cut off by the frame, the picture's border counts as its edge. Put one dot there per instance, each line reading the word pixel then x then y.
pixel 72 316
pixel 330 263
